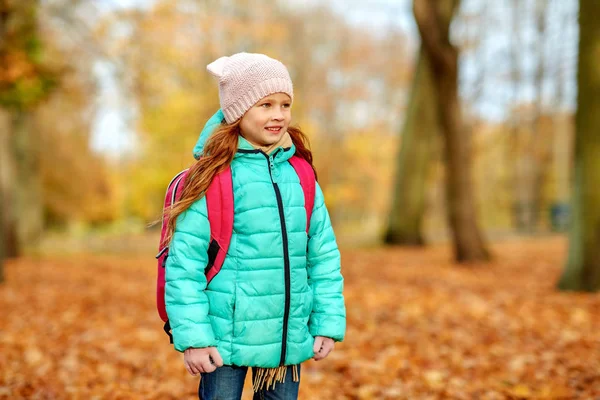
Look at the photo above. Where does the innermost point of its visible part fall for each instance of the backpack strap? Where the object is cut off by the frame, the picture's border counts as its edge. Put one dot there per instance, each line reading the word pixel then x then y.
pixel 175 186
pixel 219 203
pixel 308 181
pixel 174 190
pixel 167 329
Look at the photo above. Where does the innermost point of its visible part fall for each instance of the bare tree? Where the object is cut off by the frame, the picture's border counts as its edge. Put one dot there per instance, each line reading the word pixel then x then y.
pixel 531 150
pixel 561 121
pixel 582 271
pixel 541 142
pixel 419 134
pixel 515 117
pixel 434 29
pixel 18 30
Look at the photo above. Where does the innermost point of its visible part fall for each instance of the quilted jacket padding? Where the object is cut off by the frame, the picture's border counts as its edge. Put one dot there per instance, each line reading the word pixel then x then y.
pixel 278 287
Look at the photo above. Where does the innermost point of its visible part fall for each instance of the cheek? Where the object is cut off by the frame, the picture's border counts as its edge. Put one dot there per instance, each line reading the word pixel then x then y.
pixel 260 122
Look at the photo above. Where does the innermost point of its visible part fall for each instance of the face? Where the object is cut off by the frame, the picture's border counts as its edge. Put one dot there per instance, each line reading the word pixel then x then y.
pixel 266 121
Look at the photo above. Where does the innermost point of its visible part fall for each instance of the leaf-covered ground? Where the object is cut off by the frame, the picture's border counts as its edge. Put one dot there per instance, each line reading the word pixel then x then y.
pixel 418 328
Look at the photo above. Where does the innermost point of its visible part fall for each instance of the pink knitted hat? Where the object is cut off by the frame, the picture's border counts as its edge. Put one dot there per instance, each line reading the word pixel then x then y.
pixel 245 78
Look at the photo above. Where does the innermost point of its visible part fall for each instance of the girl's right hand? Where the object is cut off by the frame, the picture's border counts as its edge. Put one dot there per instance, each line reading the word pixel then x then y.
pixel 206 359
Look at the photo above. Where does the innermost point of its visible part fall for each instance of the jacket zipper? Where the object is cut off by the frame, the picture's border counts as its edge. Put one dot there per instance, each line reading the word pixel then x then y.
pixel 286 262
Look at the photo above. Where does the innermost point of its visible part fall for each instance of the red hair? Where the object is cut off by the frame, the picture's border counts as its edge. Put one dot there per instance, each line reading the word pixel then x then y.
pixel 218 153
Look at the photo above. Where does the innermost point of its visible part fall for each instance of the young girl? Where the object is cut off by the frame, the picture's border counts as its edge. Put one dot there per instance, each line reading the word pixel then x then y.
pixel 277 300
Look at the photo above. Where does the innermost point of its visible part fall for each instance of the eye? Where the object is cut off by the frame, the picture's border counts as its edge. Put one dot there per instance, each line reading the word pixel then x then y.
pixel 287 105
pixel 266 105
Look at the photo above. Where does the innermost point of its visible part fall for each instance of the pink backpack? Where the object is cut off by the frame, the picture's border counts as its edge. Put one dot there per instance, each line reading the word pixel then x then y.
pixel 219 202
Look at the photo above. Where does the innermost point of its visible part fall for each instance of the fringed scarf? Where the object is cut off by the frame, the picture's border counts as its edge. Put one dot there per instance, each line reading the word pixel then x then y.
pixel 265 378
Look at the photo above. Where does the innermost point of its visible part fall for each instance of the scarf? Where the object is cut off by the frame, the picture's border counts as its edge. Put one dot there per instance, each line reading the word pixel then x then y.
pixel 268 377
pixel 284 141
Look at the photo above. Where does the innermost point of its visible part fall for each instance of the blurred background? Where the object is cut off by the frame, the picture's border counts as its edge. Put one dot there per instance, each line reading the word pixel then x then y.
pixel 102 102
pixel 456 143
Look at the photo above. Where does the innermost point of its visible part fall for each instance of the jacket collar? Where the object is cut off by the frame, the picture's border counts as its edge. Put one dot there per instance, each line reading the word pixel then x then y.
pixel 283 151
pixel 278 154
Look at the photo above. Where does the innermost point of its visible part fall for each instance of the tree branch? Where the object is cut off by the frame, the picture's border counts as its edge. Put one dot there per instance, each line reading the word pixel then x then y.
pixel 433 34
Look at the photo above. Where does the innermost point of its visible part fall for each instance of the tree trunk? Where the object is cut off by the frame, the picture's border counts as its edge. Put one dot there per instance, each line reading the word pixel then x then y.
pixel 514 148
pixel 467 238
pixel 2 212
pixel 22 90
pixel 28 197
pixel 20 186
pixel 7 184
pixel 563 131
pixel 582 271
pixel 541 144
pixel 419 135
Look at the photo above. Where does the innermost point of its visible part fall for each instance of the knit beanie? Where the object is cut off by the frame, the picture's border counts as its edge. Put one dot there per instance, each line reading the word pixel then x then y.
pixel 245 78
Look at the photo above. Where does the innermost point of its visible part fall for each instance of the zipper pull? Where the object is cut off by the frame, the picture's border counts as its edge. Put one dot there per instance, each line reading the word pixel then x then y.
pixel 273 170
pixel 271 163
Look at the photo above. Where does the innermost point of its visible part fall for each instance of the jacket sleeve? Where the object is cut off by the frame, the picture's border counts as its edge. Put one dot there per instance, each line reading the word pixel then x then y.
pixel 328 317
pixel 185 282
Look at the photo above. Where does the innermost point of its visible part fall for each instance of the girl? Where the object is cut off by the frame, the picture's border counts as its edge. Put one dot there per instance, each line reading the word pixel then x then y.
pixel 277 300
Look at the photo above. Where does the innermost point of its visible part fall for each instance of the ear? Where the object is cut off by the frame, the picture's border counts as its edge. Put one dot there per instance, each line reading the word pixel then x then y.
pixel 216 67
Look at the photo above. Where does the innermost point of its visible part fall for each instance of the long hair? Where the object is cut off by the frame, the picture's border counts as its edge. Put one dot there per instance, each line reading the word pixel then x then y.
pixel 218 153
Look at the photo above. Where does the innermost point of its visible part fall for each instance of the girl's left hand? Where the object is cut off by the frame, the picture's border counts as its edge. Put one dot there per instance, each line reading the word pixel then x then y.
pixel 322 347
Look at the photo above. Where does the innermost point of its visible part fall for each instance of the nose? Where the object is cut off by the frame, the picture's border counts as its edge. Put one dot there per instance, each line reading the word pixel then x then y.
pixel 277 114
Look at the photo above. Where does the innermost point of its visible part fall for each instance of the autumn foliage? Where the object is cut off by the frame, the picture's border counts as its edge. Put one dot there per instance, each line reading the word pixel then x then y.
pixel 418 328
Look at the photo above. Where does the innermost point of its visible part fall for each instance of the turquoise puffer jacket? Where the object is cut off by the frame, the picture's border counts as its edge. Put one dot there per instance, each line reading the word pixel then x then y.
pixel 278 287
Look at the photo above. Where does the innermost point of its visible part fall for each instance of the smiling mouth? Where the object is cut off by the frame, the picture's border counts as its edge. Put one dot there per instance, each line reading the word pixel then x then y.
pixel 274 129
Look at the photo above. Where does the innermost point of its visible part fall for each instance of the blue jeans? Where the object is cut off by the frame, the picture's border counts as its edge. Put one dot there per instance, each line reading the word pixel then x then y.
pixel 227 382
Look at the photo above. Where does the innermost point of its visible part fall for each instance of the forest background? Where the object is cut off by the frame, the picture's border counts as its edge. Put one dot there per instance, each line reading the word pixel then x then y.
pixel 456 143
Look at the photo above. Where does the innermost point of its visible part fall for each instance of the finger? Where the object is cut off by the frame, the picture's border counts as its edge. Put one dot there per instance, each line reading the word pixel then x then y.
pixel 326 350
pixel 187 367
pixel 197 367
pixel 318 344
pixel 208 367
pixel 193 368
pixel 216 357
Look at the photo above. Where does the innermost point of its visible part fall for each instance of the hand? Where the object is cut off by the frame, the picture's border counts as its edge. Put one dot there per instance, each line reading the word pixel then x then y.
pixel 206 360
pixel 322 347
